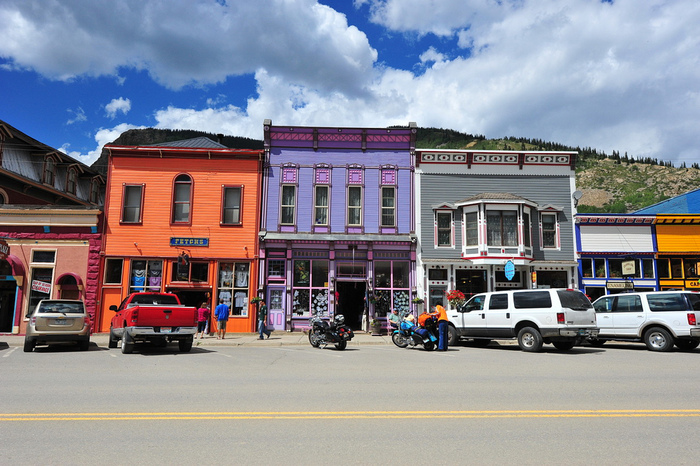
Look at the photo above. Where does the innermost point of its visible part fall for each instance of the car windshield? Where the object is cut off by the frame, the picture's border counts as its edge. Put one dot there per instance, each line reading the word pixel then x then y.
pixel 58 307
pixel 573 299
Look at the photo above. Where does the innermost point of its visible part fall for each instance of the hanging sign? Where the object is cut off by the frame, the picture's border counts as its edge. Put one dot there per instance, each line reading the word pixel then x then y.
pixel 509 270
pixel 4 249
pixel 41 287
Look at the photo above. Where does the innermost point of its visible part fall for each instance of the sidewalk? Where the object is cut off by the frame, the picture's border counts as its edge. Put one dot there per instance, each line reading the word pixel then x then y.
pixel 233 339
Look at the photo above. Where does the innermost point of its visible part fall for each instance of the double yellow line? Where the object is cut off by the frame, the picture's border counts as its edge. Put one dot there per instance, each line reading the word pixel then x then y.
pixel 311 415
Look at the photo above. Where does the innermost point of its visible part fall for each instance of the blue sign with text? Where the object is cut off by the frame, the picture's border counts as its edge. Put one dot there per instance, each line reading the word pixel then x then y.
pixel 510 270
pixel 192 242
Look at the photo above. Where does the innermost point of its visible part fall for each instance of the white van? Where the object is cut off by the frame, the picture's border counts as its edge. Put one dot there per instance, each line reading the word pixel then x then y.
pixel 660 319
pixel 561 317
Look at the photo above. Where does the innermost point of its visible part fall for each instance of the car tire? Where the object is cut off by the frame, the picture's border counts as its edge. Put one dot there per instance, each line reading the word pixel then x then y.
pixel 687 345
pixel 530 339
pixel 84 345
pixel 29 345
pixel 113 341
pixel 563 345
pixel 658 339
pixel 127 343
pixel 185 345
pixel 452 336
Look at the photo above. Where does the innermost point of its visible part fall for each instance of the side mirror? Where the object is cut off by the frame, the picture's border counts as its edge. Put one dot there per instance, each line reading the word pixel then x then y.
pixel 113 307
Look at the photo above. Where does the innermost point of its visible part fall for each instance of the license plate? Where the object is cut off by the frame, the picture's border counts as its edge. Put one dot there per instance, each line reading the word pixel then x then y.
pixel 166 329
pixel 61 322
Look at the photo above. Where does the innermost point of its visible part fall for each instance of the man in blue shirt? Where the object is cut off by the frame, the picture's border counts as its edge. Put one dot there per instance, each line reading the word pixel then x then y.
pixel 221 312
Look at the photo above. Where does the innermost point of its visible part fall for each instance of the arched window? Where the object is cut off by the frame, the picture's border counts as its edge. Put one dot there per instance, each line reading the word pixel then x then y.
pixel 68 287
pixel 49 170
pixel 182 199
pixel 72 181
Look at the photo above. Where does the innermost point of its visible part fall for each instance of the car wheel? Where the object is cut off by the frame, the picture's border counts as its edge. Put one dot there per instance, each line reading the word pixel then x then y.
pixel 452 336
pixel 185 345
pixel 112 343
pixel 127 343
pixel 530 339
pixel 563 345
pixel 84 345
pixel 658 339
pixel 29 345
pixel 687 345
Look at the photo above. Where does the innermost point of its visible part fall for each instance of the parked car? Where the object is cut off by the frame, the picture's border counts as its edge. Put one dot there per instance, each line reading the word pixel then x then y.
pixel 660 319
pixel 58 320
pixel 561 317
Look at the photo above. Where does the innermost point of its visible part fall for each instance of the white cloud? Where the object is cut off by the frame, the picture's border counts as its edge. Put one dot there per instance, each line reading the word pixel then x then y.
pixel 184 42
pixel 78 115
pixel 102 136
pixel 118 105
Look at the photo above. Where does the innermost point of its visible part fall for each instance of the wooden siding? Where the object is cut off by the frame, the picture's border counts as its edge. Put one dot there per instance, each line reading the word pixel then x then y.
pixel 678 238
pixel 598 238
pixel 450 188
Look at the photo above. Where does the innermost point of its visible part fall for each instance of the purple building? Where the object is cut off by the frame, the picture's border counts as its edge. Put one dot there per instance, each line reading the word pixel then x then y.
pixel 337 231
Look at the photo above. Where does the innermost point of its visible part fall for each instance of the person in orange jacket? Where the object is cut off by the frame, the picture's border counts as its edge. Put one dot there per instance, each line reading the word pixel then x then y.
pixel 443 323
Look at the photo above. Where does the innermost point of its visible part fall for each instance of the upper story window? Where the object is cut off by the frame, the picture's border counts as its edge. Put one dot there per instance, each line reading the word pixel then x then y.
pixel 289 196
pixel 132 203
pixel 322 179
pixel 72 180
pixel 231 205
pixel 49 170
pixel 444 228
pixel 94 191
pixel 355 200
pixel 388 206
pixel 549 227
pixel 471 228
pixel 182 199
pixel 501 228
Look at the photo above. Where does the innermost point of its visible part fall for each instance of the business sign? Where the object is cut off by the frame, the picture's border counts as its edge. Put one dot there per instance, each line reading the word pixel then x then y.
pixel 4 249
pixel 509 270
pixel 42 287
pixel 620 285
pixel 629 268
pixel 191 242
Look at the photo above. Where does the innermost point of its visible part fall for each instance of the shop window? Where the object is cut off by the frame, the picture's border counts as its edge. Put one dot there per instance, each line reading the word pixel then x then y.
pixel 310 293
pixel 437 274
pixel 354 213
pixel 44 257
pixel 391 287
pixel 321 205
pixel 145 275
pixel 185 270
pixel 444 228
pixel 550 239
pixel 351 270
pixel 113 271
pixel 231 205
pixel 676 268
pixel 587 268
pixel 691 268
pixel 40 286
pixel 276 268
pixel 648 268
pixel 72 180
pixel 600 270
pixel 663 268
pixel 233 286
pixel 132 203
pixel 436 295
pixel 388 207
pixel 182 199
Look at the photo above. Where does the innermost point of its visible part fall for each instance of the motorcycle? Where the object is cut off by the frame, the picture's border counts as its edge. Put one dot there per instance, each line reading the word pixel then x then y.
pixel 323 333
pixel 408 334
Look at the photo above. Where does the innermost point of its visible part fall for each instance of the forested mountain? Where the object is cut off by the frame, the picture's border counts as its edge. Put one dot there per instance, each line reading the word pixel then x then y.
pixel 610 183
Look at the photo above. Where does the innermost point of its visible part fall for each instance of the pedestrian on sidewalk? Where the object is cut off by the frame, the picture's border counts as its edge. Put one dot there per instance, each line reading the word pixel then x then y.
pixel 202 319
pixel 221 313
pixel 262 320
pixel 443 324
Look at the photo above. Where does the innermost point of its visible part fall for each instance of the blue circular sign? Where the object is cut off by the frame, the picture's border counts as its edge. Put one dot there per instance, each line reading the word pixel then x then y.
pixel 510 270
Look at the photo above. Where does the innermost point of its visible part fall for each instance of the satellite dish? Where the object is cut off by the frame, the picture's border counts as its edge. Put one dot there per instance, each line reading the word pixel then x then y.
pixel 577 195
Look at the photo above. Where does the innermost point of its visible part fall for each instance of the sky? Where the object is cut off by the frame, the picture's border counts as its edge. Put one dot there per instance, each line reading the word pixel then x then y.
pixel 618 75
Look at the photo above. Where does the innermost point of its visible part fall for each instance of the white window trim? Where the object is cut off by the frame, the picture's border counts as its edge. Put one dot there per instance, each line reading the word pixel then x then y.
pixel 436 242
pixel 557 232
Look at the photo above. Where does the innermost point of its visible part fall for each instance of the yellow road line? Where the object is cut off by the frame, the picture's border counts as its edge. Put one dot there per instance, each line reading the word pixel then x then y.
pixel 284 415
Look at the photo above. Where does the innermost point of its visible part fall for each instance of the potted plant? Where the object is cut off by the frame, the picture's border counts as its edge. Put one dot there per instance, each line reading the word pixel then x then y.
pixel 255 300
pixel 376 326
pixel 455 298
pixel 417 300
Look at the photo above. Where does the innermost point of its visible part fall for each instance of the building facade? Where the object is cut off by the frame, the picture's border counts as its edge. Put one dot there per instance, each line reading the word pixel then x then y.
pixel 494 220
pixel 50 213
pixel 183 218
pixel 616 253
pixel 337 232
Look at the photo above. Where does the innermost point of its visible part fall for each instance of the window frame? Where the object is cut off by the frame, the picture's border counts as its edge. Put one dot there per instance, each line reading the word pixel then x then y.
pixel 391 210
pixel 324 208
pixel 357 208
pixel 72 180
pixel 49 171
pixel 94 196
pixel 225 208
pixel 292 206
pixel 175 202
pixel 125 187
pixel 438 214
pixel 554 231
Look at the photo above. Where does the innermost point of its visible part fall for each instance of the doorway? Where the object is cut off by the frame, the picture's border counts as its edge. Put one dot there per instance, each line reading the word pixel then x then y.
pixel 351 302
pixel 8 292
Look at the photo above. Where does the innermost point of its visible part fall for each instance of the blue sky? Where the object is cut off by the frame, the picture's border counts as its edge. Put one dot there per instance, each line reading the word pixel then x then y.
pixel 614 75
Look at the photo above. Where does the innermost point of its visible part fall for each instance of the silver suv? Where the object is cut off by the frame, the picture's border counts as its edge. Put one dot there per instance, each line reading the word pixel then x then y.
pixel 660 319
pixel 56 320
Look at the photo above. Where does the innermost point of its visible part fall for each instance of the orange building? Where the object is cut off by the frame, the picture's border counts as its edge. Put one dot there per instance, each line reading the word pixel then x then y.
pixel 182 217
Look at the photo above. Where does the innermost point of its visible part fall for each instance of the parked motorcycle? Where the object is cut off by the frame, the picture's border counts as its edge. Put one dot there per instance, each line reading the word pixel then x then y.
pixel 408 334
pixel 323 333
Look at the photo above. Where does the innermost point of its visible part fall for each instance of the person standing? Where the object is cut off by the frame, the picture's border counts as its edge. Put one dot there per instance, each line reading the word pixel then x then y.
pixel 221 313
pixel 262 320
pixel 202 319
pixel 443 324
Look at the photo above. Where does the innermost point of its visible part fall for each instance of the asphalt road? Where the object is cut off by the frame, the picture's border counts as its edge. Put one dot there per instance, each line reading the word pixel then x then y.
pixel 619 404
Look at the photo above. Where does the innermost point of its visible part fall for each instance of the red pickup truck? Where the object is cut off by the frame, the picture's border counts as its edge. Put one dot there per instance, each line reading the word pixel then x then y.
pixel 158 318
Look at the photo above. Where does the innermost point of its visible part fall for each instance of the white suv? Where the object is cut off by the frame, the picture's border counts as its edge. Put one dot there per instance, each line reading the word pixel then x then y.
pixel 561 317
pixel 660 319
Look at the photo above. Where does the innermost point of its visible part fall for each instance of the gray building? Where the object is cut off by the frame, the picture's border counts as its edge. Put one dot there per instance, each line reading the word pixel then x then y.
pixel 494 220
